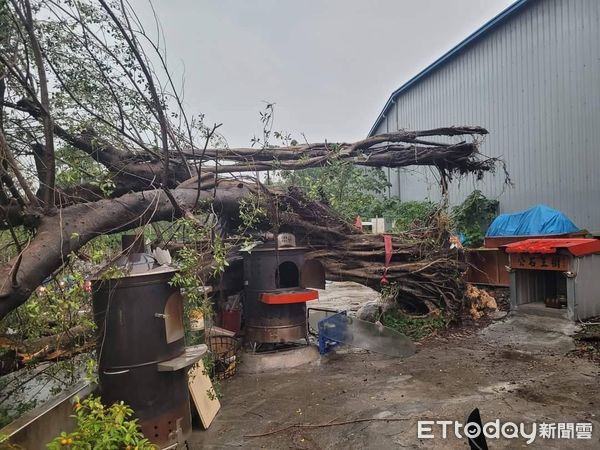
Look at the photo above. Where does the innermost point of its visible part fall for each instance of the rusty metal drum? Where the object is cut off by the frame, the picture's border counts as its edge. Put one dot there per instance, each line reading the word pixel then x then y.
pixel 160 400
pixel 139 319
pixel 273 323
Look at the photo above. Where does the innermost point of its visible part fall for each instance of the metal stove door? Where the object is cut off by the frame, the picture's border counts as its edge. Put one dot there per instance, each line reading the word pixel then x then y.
pixel 173 316
pixel 312 274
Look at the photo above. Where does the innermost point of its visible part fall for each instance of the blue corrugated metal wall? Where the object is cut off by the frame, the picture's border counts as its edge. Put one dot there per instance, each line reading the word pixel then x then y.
pixel 534 83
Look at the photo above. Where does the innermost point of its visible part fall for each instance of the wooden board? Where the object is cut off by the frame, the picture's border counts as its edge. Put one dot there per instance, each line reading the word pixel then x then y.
pixel 189 357
pixel 200 385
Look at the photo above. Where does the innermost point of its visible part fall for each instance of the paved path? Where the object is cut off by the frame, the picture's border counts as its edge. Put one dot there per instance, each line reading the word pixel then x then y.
pixel 514 370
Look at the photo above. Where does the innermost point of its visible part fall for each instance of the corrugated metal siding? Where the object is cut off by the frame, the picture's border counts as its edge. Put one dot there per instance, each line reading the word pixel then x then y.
pixel 585 287
pixel 534 83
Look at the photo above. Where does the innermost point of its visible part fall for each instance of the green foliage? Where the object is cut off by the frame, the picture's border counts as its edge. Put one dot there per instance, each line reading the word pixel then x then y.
pixel 73 168
pixel 349 189
pixel 410 215
pixel 415 327
pixel 192 281
pixel 473 217
pixel 102 428
pixel 251 213
pixel 97 87
pixel 189 261
pixel 192 286
pixel 101 249
pixel 91 370
pixel 353 191
pixel 54 308
pixel 209 361
pixel 8 247
pixel 199 249
pixel 219 252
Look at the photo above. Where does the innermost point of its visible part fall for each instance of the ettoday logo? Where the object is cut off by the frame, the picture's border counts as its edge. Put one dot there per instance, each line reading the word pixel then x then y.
pixel 431 429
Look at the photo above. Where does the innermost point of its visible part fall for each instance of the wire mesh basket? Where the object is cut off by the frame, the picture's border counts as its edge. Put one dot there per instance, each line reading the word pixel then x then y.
pixel 225 352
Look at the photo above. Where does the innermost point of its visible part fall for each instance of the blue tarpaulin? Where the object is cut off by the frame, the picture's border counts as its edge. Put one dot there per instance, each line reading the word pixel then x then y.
pixel 538 220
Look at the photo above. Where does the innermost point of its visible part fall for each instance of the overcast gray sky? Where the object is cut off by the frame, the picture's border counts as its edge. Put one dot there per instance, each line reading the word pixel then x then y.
pixel 329 65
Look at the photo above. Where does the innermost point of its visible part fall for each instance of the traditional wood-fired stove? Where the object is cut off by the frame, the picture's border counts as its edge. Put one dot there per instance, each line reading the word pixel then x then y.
pixel 142 358
pixel 277 280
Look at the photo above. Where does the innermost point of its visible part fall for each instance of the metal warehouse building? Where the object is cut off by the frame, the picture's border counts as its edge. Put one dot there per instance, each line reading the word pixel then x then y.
pixel 531 76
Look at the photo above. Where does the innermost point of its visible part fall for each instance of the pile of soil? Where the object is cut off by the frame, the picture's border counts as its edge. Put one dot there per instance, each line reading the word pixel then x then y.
pixel 588 340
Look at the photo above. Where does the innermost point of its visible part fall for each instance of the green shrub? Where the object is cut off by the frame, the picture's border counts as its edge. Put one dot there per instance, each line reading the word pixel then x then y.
pixel 102 428
pixel 356 191
pixel 473 216
pixel 415 327
pixel 411 214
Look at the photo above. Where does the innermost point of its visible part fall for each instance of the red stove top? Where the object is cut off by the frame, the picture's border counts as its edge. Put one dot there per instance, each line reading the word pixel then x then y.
pixel 289 296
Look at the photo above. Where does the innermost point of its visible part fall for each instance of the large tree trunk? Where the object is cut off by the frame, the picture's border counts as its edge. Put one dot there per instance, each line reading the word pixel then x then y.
pixel 426 271
pixel 70 228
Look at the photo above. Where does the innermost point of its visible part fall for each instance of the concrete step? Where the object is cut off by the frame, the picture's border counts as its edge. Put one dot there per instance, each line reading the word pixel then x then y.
pixel 533 330
pixel 540 309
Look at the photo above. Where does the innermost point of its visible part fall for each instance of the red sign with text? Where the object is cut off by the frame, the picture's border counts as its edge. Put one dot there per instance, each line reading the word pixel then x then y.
pixel 539 261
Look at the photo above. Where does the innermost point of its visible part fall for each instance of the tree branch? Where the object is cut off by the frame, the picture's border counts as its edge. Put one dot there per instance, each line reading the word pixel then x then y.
pixel 158 106
pixel 47 187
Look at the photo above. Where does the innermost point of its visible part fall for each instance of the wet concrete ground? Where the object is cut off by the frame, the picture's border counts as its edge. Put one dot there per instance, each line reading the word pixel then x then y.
pixel 494 369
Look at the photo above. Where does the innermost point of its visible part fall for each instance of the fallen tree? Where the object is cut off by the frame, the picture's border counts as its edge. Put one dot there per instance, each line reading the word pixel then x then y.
pixel 75 165
pixel 356 257
pixel 425 272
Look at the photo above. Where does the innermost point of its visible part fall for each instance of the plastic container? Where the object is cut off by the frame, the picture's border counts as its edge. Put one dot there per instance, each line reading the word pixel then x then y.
pixel 232 320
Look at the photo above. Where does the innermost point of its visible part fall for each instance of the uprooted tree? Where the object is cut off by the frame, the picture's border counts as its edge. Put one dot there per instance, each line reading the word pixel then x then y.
pixel 94 140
